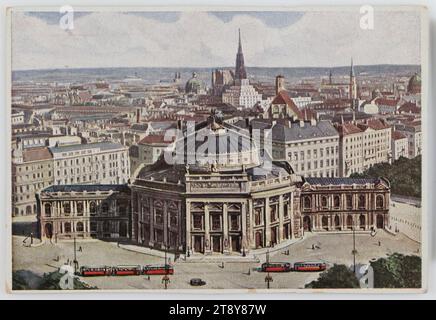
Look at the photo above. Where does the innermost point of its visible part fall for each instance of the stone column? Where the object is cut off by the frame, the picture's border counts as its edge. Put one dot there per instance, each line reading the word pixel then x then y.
pixel 166 217
pixel 179 225
pixel 250 231
pixel 281 218
pixel 188 226
pixel 291 214
pixel 207 242
pixel 151 211
pixel 244 225
pixel 226 239
pixel 267 223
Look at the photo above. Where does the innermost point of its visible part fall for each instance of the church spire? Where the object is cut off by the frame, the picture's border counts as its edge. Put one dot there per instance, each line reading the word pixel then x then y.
pixel 240 72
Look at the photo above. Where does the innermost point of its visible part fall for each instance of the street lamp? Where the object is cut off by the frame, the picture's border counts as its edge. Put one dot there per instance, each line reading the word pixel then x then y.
pixel 354 252
pixel 76 263
pixel 268 277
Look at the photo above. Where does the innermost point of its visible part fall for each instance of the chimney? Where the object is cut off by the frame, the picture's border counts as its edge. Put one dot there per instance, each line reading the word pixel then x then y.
pixel 301 123
pixel 313 122
pixel 280 84
pixel 273 123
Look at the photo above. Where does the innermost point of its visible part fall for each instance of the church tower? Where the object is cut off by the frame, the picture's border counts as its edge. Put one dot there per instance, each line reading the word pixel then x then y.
pixel 353 88
pixel 240 72
pixel 353 84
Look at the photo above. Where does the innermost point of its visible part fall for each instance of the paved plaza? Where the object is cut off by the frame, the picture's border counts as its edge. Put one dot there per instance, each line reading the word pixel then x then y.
pixel 333 248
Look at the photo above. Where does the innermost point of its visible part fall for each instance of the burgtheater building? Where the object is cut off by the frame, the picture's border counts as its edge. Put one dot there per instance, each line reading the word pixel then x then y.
pixel 218 196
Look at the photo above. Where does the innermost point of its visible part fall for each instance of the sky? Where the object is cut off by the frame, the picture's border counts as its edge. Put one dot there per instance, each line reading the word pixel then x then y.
pixel 209 39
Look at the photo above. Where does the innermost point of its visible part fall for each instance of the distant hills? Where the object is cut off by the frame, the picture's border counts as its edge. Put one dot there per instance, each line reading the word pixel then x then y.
pixel 154 75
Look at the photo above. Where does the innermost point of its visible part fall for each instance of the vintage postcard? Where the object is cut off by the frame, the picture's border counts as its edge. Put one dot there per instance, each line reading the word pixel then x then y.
pixel 216 149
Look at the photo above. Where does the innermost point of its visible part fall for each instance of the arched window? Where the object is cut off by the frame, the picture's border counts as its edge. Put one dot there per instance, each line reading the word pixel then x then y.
pixel 307 202
pixel 79 226
pixel 380 202
pixel 47 210
pixel 79 207
pixel 29 210
pixel 92 207
pixel 324 202
pixel 349 221
pixel 362 201
pixel 325 222
pixel 67 207
pixel 337 222
pixel 257 216
pixel 67 227
pixel 362 221
pixel 349 201
pixel 337 201
pixel 104 207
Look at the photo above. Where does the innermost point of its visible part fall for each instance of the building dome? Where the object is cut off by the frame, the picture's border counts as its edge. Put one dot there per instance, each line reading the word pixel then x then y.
pixel 414 85
pixel 194 85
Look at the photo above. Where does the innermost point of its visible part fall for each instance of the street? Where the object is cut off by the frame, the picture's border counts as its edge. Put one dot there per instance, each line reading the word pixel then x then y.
pixel 333 248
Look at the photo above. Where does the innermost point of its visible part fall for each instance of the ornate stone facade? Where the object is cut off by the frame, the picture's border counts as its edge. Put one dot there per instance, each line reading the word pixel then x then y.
pixel 84 211
pixel 338 204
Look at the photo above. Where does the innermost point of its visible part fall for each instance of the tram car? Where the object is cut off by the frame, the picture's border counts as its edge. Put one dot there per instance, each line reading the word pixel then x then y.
pixel 307 266
pixel 86 271
pixel 126 270
pixel 158 269
pixel 276 267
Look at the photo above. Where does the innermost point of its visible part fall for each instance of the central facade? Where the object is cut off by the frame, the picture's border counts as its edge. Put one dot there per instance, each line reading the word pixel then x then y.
pixel 218 196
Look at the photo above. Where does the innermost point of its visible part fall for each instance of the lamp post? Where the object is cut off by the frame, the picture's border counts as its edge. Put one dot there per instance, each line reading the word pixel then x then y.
pixel 354 249
pixel 268 278
pixel 75 257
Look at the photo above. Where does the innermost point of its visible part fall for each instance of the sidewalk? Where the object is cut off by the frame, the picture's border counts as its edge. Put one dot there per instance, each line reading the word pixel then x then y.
pixel 145 250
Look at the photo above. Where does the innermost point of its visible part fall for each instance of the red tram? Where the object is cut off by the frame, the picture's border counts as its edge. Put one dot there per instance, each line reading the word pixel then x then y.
pixel 276 267
pixel 95 271
pixel 158 270
pixel 126 270
pixel 310 266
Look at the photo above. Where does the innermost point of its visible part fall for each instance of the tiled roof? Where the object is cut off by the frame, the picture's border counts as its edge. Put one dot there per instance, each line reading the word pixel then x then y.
pixel 396 135
pixel 156 139
pixel 281 132
pixel 97 145
pixel 283 98
pixel 36 154
pixel 86 187
pixel 386 102
pixel 409 107
pixel 340 181
pixel 348 128
pixel 374 124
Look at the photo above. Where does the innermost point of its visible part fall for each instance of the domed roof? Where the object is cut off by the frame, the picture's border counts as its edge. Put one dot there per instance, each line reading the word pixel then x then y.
pixel 193 85
pixel 414 85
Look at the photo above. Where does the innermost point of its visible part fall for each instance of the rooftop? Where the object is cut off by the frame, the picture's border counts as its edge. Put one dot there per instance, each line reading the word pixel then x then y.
pixel 340 181
pixel 86 187
pixel 96 145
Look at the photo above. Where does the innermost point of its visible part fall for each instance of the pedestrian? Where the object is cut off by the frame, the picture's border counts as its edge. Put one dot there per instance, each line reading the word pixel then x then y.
pixel 148 278
pixel 249 271
pixel 80 248
pixel 313 246
pixel 222 265
pixel 379 243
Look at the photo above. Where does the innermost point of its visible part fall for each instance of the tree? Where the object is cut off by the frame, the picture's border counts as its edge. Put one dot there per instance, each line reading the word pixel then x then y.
pixel 404 175
pixel 397 271
pixel 337 277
